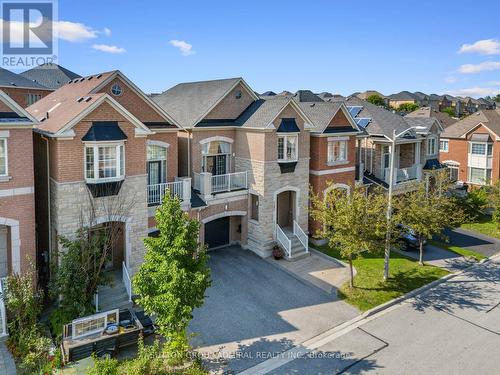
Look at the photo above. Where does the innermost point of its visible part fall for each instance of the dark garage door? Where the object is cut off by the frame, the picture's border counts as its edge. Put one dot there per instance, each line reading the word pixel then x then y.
pixel 217 232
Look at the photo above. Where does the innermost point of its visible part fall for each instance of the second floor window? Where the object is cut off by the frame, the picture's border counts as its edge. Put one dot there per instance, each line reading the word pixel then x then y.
pixel 215 157
pixel 443 146
pixel 287 147
pixel 3 157
pixel 157 164
pixel 337 151
pixel 478 148
pixel 33 98
pixel 104 162
pixel 431 146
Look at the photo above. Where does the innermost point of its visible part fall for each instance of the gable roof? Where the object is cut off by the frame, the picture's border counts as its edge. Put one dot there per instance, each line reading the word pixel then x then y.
pixel 306 96
pixel 365 94
pixel 403 95
pixel 426 112
pixel 422 125
pixel 50 75
pixel 321 115
pixel 19 116
pixel 489 118
pixel 11 79
pixel 190 102
pixel 57 110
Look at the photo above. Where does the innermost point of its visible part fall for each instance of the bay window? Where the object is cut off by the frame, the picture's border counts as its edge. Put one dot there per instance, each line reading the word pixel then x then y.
pixel 104 162
pixel 287 147
pixel 3 157
pixel 431 146
pixel 479 176
pixel 337 151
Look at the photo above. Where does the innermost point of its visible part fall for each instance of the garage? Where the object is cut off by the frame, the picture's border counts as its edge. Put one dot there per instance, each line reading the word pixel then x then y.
pixel 217 232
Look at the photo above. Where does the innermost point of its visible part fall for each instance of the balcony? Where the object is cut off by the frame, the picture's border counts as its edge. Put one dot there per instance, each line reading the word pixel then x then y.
pixel 181 189
pixel 208 184
pixel 402 175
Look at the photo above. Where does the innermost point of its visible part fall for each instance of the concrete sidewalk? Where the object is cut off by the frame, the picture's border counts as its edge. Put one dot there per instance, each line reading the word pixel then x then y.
pixel 7 365
pixel 438 257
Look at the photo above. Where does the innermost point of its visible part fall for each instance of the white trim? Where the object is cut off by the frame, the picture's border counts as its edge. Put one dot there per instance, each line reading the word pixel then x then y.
pixel 337 186
pixel 331 171
pixel 285 137
pixel 15 243
pixel 95 148
pixel 128 229
pixel 17 191
pixel 452 163
pixel 477 126
pixel 4 133
pixel 7 100
pixel 215 139
pixel 6 157
pixel 337 139
pixel 307 122
pixel 297 203
pixel 430 138
pixel 223 214
pixel 151 142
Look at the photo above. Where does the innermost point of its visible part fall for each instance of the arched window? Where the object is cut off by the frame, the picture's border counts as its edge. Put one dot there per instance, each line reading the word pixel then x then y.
pixel 157 164
pixel 215 157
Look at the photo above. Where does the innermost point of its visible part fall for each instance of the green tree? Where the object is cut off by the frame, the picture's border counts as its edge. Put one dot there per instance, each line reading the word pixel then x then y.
pixel 494 202
pixel 428 209
pixel 355 222
pixel 376 100
pixel 407 107
pixel 449 111
pixel 174 276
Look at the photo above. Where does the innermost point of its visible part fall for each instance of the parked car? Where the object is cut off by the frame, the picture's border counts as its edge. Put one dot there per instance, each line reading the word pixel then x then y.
pixel 408 240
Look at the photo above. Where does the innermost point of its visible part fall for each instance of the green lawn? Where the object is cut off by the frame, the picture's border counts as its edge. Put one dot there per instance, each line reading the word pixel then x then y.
pixel 458 250
pixel 369 288
pixel 483 225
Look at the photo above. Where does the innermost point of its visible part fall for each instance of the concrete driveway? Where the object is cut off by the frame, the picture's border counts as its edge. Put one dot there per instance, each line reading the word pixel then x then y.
pixel 255 310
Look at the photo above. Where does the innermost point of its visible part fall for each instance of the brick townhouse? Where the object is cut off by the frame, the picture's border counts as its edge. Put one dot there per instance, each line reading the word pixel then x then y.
pixel 470 148
pixel 22 90
pixel 101 139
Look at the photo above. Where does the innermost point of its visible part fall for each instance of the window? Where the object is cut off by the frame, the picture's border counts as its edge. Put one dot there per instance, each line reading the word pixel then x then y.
pixel 3 157
pixel 157 164
pixel 337 151
pixel 287 147
pixel 215 157
pixel 490 149
pixel 479 176
pixel 443 145
pixel 238 94
pixel 33 98
pixel 116 90
pixel 254 207
pixel 453 173
pixel 94 323
pixel 104 162
pixel 431 146
pixel 478 148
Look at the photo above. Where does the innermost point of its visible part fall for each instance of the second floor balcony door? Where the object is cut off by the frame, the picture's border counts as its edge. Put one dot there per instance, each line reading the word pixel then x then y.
pixel 216 164
pixel 216 157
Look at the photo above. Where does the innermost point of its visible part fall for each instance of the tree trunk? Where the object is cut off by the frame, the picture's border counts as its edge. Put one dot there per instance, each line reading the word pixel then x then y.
pixel 351 273
pixel 421 246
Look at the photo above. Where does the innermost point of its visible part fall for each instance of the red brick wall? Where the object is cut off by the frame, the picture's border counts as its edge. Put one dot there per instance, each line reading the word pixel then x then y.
pixel 20 95
pixel 457 151
pixel 172 152
pixel 319 154
pixel 20 158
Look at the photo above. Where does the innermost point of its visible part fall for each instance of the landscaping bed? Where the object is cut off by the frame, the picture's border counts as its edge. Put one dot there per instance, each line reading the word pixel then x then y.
pixel 370 290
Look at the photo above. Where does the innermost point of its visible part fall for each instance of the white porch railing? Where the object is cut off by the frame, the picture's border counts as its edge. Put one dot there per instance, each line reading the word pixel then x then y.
pixel 196 181
pixel 3 314
pixel 301 235
pixel 127 281
pixel 181 189
pixel 404 174
pixel 229 182
pixel 283 240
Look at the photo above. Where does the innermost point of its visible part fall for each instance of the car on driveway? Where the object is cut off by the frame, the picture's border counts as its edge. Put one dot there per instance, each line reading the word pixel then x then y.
pixel 408 240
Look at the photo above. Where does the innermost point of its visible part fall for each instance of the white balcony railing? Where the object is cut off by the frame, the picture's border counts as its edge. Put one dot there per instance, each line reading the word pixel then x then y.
pixel 181 189
pixel 3 314
pixel 207 184
pixel 404 174
pixel 301 235
pixel 127 281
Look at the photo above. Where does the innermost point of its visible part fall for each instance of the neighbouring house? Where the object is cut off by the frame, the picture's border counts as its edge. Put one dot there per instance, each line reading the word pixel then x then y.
pixel 422 98
pixel 22 90
pixel 470 148
pixel 17 194
pixel 448 101
pixel 435 102
pixel 101 140
pixel 364 95
pixel 486 104
pixel 403 97
pixel 444 119
pixel 248 157
pixel 50 75
pixel 416 143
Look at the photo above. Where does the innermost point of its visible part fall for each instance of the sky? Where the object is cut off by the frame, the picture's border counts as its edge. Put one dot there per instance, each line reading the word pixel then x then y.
pixel 336 46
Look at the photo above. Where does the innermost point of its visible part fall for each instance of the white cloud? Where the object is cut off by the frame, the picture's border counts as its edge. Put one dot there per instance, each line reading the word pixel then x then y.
pixel 109 49
pixel 483 47
pixel 494 83
pixel 107 31
pixel 450 79
pixel 475 91
pixel 482 67
pixel 185 48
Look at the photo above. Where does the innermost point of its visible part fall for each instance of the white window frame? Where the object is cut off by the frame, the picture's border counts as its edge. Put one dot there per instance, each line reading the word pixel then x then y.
pixel 485 179
pixel 443 142
pixel 6 157
pixel 331 143
pixel 431 140
pixel 120 164
pixel 204 157
pixel 285 137
pixel 162 160
pixel 104 315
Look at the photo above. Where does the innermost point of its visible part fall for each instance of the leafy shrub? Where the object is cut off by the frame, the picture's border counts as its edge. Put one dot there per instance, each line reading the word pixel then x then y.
pixel 474 203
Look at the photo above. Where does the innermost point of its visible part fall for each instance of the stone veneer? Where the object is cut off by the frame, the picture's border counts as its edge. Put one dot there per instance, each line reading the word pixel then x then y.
pixel 68 201
pixel 265 179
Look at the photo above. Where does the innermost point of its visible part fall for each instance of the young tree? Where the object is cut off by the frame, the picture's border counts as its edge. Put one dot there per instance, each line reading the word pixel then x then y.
pixel 376 100
pixel 407 107
pixel 174 276
pixel 428 209
pixel 494 202
pixel 449 111
pixel 354 222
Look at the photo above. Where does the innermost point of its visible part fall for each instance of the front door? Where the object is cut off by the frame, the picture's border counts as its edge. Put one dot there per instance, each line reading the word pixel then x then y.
pixel 285 209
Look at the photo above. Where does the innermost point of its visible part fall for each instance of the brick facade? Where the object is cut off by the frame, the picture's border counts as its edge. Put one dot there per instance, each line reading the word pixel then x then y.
pixel 20 94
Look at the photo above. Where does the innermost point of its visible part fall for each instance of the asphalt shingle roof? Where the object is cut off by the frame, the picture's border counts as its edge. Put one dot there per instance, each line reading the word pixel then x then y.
pixel 11 79
pixel 262 112
pixel 50 75
pixel 490 118
pixel 426 112
pixel 320 113
pixel 403 95
pixel 187 102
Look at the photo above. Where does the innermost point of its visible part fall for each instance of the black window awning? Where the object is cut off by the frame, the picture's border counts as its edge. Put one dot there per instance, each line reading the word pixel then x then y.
pixel 104 131
pixel 288 125
pixel 433 164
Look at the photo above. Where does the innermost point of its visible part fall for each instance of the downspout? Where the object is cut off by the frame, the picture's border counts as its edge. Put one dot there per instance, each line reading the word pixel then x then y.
pixel 48 200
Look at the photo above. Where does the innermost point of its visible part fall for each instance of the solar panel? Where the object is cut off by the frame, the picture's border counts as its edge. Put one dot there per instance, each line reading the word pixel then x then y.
pixel 362 121
pixel 354 110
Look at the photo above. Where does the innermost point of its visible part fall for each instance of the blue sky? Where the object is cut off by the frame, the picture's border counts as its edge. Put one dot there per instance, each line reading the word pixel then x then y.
pixel 336 46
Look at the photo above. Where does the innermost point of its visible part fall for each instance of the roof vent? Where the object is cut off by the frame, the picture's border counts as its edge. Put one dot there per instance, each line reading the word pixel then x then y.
pixel 13 84
pixel 47 115
pixel 313 104
pixel 88 79
pixel 70 81
pixel 88 99
pixel 99 76
pixel 43 119
pixel 80 99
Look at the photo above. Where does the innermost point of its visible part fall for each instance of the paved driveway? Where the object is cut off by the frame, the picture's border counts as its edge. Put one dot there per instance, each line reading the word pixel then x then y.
pixel 255 310
pixel 474 241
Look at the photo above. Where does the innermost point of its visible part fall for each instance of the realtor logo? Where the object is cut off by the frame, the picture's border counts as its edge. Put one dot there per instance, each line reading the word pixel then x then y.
pixel 28 33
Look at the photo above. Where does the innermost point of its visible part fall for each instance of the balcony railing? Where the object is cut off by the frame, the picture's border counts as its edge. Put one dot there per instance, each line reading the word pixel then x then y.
pixel 181 189
pixel 208 184
pixel 405 174
pixel 3 315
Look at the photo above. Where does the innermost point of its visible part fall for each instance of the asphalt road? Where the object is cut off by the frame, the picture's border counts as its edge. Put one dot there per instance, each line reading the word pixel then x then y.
pixel 453 328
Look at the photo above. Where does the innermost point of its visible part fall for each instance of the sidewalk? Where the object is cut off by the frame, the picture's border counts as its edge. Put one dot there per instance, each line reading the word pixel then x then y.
pixel 7 365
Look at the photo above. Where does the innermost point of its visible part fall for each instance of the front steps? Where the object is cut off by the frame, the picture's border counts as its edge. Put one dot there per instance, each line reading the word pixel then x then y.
pixel 113 296
pixel 298 250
